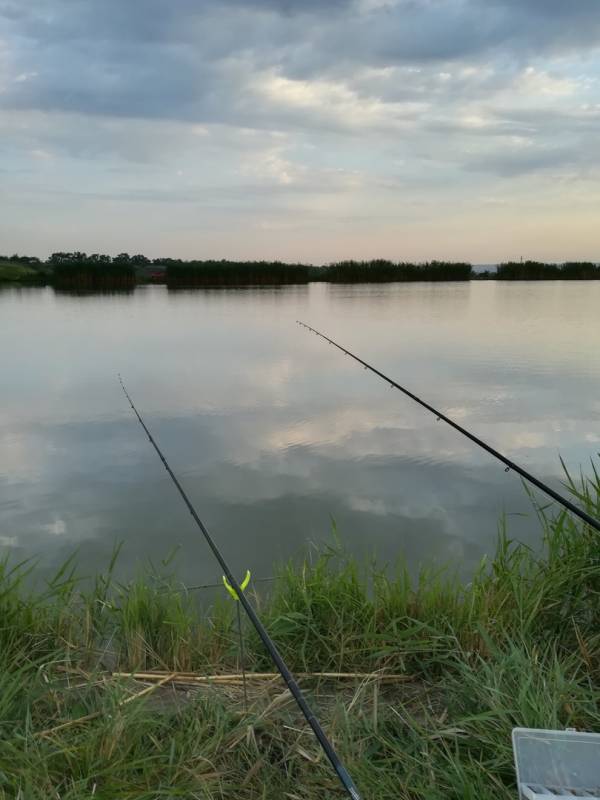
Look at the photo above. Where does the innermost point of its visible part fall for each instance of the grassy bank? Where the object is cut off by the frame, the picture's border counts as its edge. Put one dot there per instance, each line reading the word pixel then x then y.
pixel 518 645
pixel 11 272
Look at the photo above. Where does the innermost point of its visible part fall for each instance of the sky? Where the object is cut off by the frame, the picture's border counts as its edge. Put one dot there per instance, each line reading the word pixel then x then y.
pixel 301 130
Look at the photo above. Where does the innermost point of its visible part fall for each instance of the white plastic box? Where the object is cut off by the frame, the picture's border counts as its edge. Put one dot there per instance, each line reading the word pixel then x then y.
pixel 556 765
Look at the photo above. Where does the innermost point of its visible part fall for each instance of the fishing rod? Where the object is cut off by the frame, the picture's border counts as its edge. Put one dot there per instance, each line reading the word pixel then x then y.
pixel 287 676
pixel 589 520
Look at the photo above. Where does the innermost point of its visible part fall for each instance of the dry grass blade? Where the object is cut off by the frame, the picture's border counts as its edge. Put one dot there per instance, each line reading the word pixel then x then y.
pixel 191 677
pixel 252 772
pixel 88 717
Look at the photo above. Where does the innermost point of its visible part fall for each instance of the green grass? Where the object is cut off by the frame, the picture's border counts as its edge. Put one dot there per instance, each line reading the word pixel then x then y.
pixel 518 645
pixel 12 272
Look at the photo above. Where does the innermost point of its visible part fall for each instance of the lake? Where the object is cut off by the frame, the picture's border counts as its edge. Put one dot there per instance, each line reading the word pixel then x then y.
pixel 276 435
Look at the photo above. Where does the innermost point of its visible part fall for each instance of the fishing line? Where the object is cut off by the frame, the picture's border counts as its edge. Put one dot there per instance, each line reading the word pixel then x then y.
pixel 589 520
pixel 287 676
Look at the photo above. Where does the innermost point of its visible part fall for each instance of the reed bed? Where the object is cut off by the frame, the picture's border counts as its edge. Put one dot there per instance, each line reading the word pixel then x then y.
pixel 381 271
pixel 235 273
pixel 80 271
pixel 538 271
pixel 518 645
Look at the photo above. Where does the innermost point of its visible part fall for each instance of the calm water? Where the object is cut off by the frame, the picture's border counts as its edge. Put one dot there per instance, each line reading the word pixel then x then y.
pixel 274 433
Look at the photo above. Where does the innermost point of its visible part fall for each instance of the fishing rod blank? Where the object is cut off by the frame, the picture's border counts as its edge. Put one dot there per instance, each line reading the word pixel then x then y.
pixel 287 676
pixel 589 520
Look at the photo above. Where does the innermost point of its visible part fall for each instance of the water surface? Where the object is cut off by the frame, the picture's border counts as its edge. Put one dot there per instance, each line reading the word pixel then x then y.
pixel 276 434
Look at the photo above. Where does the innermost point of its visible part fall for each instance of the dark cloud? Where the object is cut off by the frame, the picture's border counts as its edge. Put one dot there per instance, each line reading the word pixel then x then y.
pixel 174 60
pixel 510 163
pixel 114 82
pixel 292 6
pixel 548 9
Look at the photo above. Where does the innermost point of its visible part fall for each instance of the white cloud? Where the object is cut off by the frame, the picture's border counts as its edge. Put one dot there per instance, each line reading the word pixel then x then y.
pixel 25 76
pixel 535 82
pixel 40 154
pixel 270 166
pixel 336 103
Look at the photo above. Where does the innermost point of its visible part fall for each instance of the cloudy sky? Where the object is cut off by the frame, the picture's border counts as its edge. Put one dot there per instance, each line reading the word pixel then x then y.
pixel 301 129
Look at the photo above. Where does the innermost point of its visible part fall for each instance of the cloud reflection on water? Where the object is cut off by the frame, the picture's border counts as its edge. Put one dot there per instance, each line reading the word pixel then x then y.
pixel 274 433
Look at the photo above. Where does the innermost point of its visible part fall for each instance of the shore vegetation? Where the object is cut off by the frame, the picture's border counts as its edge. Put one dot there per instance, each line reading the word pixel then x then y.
pixel 80 271
pixel 441 672
pixel 235 273
pixel 21 269
pixel 380 270
pixel 538 271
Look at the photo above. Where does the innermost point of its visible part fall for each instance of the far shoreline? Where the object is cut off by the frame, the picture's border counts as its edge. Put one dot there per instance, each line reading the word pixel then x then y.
pixel 77 270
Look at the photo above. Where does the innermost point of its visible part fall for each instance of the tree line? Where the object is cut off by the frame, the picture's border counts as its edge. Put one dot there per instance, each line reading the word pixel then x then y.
pixel 539 271
pixel 99 270
pixel 231 273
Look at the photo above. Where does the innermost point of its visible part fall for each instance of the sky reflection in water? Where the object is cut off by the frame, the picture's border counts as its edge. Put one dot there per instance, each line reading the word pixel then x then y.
pixel 274 433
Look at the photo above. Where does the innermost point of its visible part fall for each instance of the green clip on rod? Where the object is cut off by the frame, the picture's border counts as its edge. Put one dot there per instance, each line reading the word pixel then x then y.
pixel 287 676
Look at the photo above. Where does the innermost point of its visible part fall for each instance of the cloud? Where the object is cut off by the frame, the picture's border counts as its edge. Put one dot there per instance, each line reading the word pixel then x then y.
pixel 189 61
pixel 347 108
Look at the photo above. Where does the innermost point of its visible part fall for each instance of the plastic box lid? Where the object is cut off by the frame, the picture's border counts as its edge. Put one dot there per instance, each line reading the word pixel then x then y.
pixel 552 765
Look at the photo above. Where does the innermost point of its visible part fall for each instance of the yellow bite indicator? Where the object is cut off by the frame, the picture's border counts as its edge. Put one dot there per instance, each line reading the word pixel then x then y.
pixel 243 585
